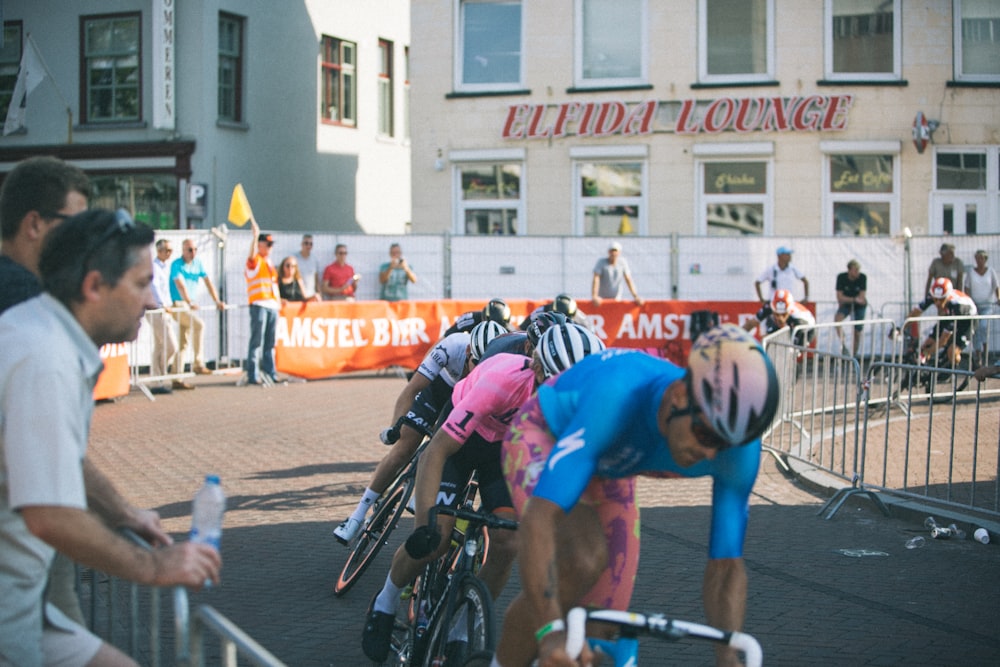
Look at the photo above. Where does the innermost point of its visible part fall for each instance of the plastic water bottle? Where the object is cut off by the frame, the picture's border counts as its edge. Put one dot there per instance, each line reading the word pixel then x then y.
pixel 206 513
pixel 982 536
pixel 422 618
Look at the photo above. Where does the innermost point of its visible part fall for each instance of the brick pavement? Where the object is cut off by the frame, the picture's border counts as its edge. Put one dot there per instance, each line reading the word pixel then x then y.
pixel 294 459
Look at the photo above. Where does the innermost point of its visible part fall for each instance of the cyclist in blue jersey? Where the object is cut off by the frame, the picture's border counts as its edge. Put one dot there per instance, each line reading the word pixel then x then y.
pixel 571 456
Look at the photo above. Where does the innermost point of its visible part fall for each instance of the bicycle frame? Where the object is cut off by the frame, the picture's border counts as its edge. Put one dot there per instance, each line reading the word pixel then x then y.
pixel 625 649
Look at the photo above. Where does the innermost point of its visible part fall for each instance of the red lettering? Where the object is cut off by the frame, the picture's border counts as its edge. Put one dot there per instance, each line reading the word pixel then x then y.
pixel 808 113
pixel 610 119
pixel 712 125
pixel 567 112
pixel 687 110
pixel 836 112
pixel 741 124
pixel 640 119
pixel 535 131
pixel 776 116
pixel 588 116
pixel 513 127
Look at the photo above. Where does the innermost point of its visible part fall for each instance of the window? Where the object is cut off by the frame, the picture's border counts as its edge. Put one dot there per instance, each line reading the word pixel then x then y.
pixel 231 68
pixel 960 171
pixel 611 44
pixel 112 84
pixel 491 196
pixel 152 197
pixel 735 40
pixel 10 62
pixel 735 197
pixel 610 197
pixel 966 194
pixel 977 40
pixel 406 92
pixel 340 94
pixel 861 189
pixel 489 45
pixel 385 88
pixel 863 40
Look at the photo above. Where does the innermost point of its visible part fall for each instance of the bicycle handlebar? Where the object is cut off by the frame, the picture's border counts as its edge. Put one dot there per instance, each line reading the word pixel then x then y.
pixel 660 626
pixel 472 516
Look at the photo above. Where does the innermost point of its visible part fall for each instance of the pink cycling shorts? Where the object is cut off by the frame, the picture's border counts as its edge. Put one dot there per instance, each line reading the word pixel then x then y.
pixel 526 448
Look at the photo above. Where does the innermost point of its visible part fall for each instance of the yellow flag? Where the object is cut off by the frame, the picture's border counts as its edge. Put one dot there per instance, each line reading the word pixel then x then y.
pixel 239 207
pixel 625 227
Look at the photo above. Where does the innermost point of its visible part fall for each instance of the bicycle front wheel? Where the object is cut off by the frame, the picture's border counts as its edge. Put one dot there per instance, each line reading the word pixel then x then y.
pixel 465 628
pixel 375 534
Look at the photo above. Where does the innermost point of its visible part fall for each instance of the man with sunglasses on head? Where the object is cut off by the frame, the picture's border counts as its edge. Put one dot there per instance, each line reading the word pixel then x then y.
pixel 96 270
pixel 38 194
pixel 571 456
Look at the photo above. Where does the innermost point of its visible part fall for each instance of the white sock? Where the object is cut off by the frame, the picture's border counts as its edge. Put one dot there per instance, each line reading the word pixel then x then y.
pixel 367 501
pixel 387 601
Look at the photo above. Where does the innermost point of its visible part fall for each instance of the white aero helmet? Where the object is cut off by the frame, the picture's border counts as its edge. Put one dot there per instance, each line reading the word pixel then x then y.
pixel 481 335
pixel 563 345
pixel 734 383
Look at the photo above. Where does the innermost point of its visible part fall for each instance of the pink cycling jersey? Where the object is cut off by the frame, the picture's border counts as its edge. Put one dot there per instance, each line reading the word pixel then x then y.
pixel 502 383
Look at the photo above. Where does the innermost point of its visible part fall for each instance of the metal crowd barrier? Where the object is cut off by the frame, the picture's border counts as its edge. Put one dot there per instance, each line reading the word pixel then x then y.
pixel 884 426
pixel 137 621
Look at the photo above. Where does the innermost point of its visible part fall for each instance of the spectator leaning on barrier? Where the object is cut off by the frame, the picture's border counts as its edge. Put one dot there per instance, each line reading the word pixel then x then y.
pixel 610 275
pixel 265 304
pixel 308 267
pixel 97 271
pixel 37 195
pixel 852 287
pixel 982 285
pixel 781 275
pixel 164 338
pixel 395 275
pixel 185 274
pixel 946 266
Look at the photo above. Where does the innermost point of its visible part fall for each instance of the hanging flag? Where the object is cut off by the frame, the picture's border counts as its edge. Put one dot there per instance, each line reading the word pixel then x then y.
pixel 239 207
pixel 29 75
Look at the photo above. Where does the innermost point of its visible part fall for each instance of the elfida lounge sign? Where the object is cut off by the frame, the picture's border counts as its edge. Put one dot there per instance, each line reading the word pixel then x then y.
pixel 808 113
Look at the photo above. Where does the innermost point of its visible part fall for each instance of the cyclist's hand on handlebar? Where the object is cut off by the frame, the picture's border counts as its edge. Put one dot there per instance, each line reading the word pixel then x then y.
pixel 552 652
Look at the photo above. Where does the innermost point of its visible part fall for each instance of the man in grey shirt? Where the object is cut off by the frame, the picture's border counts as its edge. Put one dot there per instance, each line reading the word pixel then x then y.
pixel 610 275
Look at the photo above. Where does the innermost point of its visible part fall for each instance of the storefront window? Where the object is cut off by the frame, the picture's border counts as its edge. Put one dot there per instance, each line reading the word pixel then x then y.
pixel 151 198
pixel 862 194
pixel 734 194
pixel 491 198
pixel 961 171
pixel 611 197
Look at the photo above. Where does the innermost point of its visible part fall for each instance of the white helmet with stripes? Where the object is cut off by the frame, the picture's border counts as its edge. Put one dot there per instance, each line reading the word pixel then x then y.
pixel 563 345
pixel 481 335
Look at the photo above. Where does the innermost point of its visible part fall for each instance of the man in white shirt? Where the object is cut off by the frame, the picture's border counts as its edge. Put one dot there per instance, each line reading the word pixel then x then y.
pixel 782 275
pixel 162 325
pixel 308 266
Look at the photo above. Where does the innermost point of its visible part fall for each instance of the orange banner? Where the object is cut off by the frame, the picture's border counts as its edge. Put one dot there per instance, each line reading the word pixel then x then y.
pixel 318 340
pixel 114 380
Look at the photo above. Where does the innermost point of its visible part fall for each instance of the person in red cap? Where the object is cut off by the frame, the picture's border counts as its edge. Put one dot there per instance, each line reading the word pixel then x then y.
pixel 265 303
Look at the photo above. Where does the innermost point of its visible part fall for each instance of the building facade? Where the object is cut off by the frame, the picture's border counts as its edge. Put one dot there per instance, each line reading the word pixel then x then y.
pixel 706 117
pixel 168 104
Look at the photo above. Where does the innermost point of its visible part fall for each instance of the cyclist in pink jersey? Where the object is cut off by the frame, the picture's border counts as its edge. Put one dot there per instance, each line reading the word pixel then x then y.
pixel 470 439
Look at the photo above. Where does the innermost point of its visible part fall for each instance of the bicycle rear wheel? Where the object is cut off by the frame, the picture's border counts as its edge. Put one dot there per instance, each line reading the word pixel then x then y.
pixel 465 628
pixel 375 534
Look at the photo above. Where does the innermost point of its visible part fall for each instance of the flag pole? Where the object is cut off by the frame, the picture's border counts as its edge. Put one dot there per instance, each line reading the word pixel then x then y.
pixel 45 66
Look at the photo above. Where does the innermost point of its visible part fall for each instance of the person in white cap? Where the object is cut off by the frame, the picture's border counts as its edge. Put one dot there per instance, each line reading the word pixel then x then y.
pixel 781 275
pixel 610 275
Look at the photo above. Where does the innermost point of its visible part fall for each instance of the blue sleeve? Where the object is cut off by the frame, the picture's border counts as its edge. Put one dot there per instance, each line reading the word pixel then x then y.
pixel 175 271
pixel 736 472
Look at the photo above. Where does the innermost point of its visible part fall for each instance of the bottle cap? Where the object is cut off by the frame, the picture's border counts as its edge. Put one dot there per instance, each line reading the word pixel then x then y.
pixel 212 479
pixel 982 535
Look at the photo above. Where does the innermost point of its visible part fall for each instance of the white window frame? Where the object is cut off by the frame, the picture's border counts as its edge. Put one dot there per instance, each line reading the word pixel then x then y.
pixel 959 72
pixel 578 78
pixel 829 198
pixel 459 52
pixel 385 84
pixel 581 155
pixel 989 197
pixel 703 74
pixel 762 151
pixel 460 158
pixel 897 48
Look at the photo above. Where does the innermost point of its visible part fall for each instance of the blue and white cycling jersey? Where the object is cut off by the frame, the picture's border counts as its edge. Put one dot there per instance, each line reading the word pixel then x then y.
pixel 602 412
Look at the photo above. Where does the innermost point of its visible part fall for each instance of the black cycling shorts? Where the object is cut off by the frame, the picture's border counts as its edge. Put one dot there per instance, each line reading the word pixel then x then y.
pixel 484 457
pixel 427 405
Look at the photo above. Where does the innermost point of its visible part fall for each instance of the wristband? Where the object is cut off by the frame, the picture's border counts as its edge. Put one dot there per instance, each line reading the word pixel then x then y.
pixel 552 626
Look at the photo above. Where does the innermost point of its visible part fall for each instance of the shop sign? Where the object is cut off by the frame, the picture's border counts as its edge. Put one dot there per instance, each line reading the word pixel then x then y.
pixel 808 113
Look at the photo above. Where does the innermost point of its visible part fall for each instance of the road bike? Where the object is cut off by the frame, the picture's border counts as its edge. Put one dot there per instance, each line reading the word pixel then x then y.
pixel 450 615
pixel 935 374
pixel 385 515
pixel 624 650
